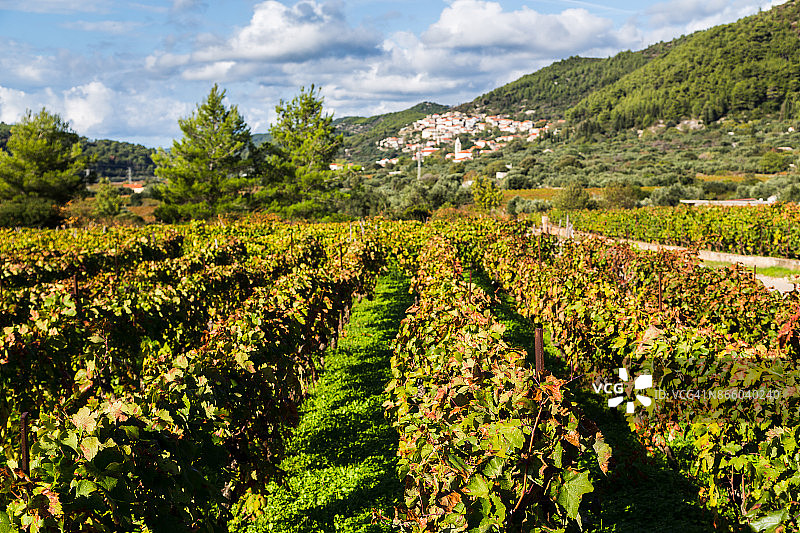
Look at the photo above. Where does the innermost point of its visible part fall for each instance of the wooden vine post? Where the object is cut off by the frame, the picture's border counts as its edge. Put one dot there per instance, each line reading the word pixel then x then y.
pixel 539 248
pixel 539 352
pixel 76 293
pixel 660 293
pixel 24 459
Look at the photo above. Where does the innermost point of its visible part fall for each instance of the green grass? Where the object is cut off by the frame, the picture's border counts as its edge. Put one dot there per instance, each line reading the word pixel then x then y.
pixel 341 460
pixel 772 272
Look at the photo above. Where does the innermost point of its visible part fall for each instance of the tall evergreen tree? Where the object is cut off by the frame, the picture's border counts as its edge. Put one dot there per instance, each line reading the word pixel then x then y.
pixel 40 169
pixel 210 170
pixel 304 133
pixel 299 182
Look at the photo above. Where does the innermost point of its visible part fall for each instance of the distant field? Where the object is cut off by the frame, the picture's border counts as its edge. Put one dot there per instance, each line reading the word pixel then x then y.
pixel 529 194
pixel 735 178
pixel 145 210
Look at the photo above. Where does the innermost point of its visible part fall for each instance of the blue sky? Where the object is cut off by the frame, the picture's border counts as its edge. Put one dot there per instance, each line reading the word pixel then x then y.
pixel 128 70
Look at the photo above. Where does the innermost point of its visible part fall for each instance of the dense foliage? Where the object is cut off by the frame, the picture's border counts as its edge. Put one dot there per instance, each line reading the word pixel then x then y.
pixel 163 391
pixel 609 307
pixel 485 443
pixel 162 370
pixel 41 169
pixel 113 159
pixel 304 133
pixel 744 68
pixel 210 170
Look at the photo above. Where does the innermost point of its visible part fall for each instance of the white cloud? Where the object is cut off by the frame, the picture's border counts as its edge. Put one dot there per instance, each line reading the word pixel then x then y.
pixel 479 24
pixel 26 68
pixel 474 46
pixel 114 27
pixel 212 71
pixel 165 61
pixel 13 104
pixel 683 11
pixel 97 111
pixel 277 33
pixel 469 47
pixel 88 107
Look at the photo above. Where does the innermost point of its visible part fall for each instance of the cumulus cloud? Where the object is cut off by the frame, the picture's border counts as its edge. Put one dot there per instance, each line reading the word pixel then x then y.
pixel 474 46
pixel 478 24
pixel 307 30
pixel 211 71
pixel 95 110
pixel 88 107
pixel 13 104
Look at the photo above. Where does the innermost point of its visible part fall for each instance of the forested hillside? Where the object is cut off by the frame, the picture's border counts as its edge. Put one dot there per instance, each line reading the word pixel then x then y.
pixel 114 158
pixel 111 158
pixel 551 91
pixel 748 68
pixel 361 133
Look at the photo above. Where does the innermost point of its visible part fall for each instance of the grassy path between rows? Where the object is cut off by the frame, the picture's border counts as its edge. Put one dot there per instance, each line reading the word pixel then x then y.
pixel 640 493
pixel 341 460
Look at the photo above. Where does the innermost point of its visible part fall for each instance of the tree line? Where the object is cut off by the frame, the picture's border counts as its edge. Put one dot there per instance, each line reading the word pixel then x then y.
pixel 215 168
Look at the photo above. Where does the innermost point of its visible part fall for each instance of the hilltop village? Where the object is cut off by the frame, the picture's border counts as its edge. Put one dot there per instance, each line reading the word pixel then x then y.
pixel 488 133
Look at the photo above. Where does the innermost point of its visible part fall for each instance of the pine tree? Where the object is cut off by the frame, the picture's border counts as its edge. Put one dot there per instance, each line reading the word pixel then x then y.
pixel 305 134
pixel 40 170
pixel 210 170
pixel 298 181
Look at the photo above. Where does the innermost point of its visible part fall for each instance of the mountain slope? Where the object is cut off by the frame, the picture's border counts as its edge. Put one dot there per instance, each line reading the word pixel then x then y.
pixel 747 67
pixel 552 90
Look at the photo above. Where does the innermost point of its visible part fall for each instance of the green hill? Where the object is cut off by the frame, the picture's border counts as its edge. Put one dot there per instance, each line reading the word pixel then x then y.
pixel 114 158
pixel 261 138
pixel 361 133
pixel 551 91
pixel 749 68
